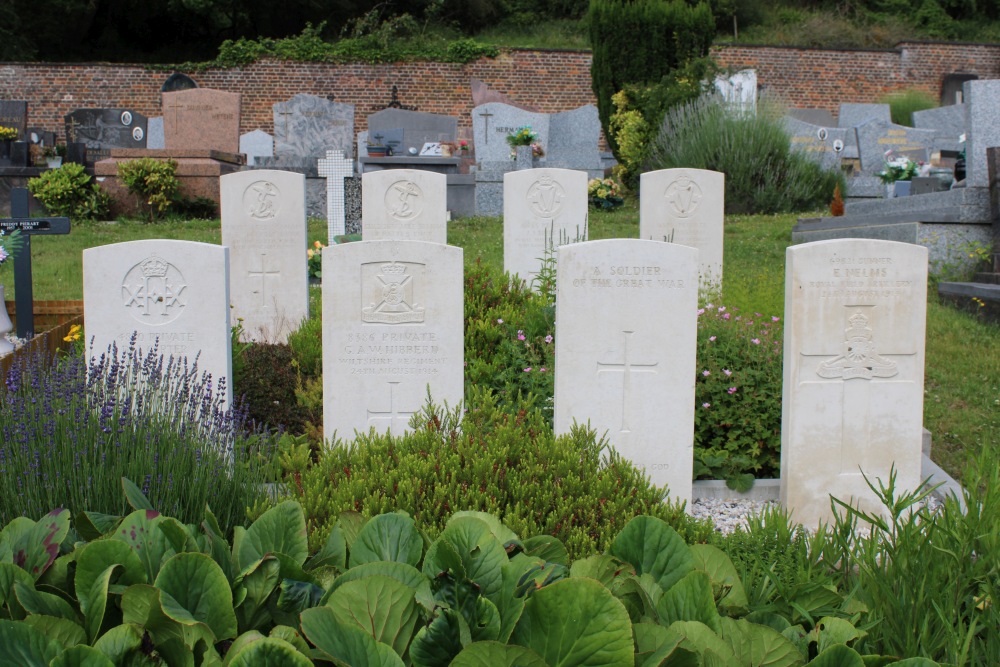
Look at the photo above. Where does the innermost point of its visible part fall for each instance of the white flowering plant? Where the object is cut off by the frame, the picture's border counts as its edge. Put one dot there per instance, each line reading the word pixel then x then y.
pixel 898 169
pixel 10 242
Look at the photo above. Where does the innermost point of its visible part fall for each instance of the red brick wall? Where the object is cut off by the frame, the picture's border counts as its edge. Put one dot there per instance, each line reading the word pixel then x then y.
pixel 548 80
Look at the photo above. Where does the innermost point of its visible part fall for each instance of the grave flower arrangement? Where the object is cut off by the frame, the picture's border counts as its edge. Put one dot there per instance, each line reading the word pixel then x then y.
pixel 898 169
pixel 10 242
pixel 524 136
pixel 604 193
pixel 315 258
pixel 7 133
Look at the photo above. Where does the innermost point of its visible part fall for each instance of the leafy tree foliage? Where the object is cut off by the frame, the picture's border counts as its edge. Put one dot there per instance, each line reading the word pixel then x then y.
pixel 641 41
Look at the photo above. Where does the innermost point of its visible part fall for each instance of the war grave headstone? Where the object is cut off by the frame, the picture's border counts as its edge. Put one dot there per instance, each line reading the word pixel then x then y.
pixel 202 118
pixel 404 204
pixel 626 333
pixel 982 103
pixel 264 227
pixel 101 130
pixel 823 145
pixel 174 293
pixel 855 312
pixel 686 206
pixel 335 168
pixel 255 145
pixel 392 333
pixel 542 210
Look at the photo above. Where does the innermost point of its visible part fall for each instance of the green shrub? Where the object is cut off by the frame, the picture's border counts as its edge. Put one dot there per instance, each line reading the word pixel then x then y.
pixel 903 103
pixel 737 433
pixel 498 458
pixel 306 344
pixel 70 191
pixel 267 383
pixel 509 331
pixel 640 42
pixel 153 183
pixel 763 175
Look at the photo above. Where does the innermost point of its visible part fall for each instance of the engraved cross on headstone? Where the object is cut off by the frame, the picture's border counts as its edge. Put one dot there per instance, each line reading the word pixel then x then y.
pixel 264 274
pixel 28 226
pixel 285 115
pixel 626 368
pixel 486 115
pixel 859 365
pixel 393 413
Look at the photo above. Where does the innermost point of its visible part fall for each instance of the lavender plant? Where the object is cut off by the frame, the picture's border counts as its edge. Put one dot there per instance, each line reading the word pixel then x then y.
pixel 71 430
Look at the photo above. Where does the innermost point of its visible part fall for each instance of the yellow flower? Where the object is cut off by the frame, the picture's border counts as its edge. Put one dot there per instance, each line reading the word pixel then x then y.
pixel 317 245
pixel 75 332
pixel 310 253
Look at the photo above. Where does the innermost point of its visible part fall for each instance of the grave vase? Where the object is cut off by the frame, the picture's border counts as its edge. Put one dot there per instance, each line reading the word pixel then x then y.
pixel 902 188
pixel 523 157
pixel 6 326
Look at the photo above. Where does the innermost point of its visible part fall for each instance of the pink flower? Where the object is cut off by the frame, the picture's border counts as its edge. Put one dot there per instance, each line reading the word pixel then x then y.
pixel 711 339
pixel 705 373
pixel 528 369
pixel 755 341
pixel 727 372
pixel 542 369
pixel 722 309
pixel 520 335
pixel 706 405
pixel 725 316
pixel 3 253
pixel 548 339
pixel 775 318
pixel 499 321
pixel 732 390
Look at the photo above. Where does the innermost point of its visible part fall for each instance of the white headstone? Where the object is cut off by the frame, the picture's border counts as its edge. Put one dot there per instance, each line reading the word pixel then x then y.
pixel 175 293
pixel 392 331
pixel 335 168
pixel 855 312
pixel 626 334
pixel 264 226
pixel 404 204
pixel 686 206
pixel 542 209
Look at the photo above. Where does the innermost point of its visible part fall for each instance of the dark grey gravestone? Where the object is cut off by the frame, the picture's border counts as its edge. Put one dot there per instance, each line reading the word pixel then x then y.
pixel 418 127
pixel 949 120
pixel 14 114
pixel 178 81
pixel 856 115
pixel 19 153
pixel 952 88
pixel 820 117
pixel 37 135
pixel 307 126
pixel 573 141
pixel 392 138
pixel 823 145
pixel 105 129
pixel 877 137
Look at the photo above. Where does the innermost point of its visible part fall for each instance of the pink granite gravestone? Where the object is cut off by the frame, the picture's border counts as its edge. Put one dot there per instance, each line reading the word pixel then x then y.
pixel 202 118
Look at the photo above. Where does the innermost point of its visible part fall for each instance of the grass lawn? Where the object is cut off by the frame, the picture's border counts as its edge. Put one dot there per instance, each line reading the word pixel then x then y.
pixel 962 386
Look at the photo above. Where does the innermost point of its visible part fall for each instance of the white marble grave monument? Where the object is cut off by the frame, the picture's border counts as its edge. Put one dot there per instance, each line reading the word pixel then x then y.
pixel 392 333
pixel 626 333
pixel 264 226
pixel 542 209
pixel 404 204
pixel 174 293
pixel 686 206
pixel 852 399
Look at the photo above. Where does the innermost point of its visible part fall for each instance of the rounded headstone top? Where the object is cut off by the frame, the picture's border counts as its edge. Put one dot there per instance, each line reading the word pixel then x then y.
pixel 178 81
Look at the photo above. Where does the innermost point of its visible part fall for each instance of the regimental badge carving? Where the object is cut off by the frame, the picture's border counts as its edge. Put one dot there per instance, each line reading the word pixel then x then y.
pixel 545 197
pixel 260 200
pixel 404 200
pixel 389 296
pixel 153 291
pixel 859 359
pixel 683 196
